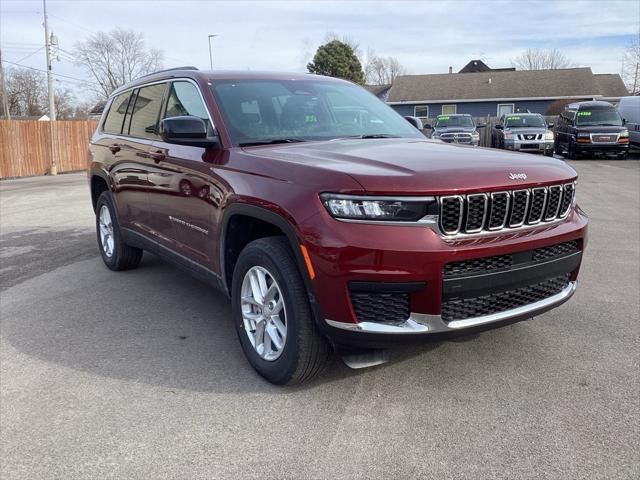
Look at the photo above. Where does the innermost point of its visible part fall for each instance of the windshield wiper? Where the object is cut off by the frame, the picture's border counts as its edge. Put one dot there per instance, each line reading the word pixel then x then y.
pixel 272 141
pixel 373 135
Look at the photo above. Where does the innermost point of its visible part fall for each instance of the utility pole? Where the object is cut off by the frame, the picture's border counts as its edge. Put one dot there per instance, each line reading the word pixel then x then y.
pixel 52 102
pixel 635 80
pixel 5 100
pixel 211 51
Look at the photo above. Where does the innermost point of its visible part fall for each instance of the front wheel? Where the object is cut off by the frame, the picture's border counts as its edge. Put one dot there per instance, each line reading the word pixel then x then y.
pixel 272 315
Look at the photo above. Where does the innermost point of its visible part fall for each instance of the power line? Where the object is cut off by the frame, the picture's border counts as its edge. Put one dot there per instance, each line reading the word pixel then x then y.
pixel 31 54
pixel 72 24
pixel 55 74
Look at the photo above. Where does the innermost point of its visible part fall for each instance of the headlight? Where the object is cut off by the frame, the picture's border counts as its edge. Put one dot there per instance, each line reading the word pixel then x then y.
pixel 408 209
pixel 508 135
pixel 624 134
pixel 435 135
pixel 548 135
pixel 475 136
pixel 583 135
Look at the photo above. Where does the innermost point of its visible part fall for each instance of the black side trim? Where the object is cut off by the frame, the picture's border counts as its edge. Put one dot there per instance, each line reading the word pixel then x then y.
pixel 139 240
pixel 288 229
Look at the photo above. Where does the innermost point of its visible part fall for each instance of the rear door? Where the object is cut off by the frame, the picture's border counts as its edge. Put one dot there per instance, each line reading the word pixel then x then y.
pixel 139 131
pixel 128 173
pixel 188 209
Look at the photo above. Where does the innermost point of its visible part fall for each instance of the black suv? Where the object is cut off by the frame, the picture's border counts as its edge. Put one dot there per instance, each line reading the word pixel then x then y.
pixel 591 128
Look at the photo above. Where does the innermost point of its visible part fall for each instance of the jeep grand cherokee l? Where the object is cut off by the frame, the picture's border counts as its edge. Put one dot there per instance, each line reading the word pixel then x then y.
pixel 325 230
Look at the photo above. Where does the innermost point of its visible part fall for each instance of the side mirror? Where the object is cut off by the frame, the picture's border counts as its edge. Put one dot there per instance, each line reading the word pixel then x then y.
pixel 428 126
pixel 415 121
pixel 187 130
pixel 624 121
pixel 499 127
pixel 551 125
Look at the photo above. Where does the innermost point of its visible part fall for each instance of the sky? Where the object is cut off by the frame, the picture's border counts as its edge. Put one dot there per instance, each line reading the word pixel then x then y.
pixel 425 36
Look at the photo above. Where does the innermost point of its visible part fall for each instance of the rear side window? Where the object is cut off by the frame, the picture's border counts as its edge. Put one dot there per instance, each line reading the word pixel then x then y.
pixel 146 109
pixel 115 116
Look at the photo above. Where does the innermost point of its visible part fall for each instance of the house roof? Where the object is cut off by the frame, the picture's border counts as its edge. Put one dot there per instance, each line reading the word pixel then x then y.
pixel 377 90
pixel 479 66
pixel 611 85
pixel 503 85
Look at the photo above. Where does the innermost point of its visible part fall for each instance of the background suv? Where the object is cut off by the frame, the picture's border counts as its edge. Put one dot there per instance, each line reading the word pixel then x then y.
pixel 591 128
pixel 525 132
pixel 455 129
pixel 328 219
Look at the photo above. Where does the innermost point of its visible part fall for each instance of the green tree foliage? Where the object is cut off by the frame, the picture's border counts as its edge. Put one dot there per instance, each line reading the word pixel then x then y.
pixel 337 59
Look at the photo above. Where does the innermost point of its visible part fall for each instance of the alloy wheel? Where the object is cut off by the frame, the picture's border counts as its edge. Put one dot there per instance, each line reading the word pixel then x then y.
pixel 106 231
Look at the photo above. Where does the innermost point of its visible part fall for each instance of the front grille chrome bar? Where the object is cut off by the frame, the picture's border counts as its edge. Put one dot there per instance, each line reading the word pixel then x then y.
pixel 504 210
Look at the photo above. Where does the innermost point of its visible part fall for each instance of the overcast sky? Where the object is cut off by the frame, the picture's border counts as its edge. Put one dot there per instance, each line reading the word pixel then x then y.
pixel 426 37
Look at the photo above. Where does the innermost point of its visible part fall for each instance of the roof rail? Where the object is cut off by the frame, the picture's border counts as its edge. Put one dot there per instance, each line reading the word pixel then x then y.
pixel 170 70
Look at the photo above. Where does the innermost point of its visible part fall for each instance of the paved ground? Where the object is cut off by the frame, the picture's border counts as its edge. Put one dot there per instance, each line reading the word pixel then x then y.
pixel 139 374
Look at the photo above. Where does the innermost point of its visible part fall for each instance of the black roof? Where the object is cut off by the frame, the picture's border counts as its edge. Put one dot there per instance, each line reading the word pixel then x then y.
pixel 593 105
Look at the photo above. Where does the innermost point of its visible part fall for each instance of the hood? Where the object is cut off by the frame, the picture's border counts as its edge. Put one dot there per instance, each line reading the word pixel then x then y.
pixel 523 130
pixel 440 130
pixel 415 166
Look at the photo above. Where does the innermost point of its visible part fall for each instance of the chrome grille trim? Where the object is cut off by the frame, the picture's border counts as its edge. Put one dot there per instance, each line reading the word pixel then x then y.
pixel 550 215
pixel 525 208
pixel 534 192
pixel 513 224
pixel 485 197
pixel 506 210
pixel 461 201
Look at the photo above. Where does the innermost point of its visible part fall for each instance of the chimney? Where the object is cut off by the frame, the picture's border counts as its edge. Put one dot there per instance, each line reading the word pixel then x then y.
pixel 450 69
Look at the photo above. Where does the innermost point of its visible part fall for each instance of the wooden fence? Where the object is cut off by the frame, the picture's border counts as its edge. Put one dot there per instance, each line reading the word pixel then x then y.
pixel 25 146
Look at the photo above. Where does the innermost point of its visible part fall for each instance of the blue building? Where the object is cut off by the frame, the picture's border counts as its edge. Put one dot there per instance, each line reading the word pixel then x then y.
pixel 481 91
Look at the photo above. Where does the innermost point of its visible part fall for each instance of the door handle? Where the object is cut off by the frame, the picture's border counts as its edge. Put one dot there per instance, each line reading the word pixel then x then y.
pixel 114 149
pixel 157 156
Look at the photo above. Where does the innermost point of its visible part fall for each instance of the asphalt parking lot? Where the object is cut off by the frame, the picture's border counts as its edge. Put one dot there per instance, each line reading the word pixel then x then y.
pixel 139 374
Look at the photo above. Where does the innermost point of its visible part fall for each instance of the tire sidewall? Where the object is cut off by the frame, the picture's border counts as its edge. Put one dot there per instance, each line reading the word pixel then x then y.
pixel 278 371
pixel 106 200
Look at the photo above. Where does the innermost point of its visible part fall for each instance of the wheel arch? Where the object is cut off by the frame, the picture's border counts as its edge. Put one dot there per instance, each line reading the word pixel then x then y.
pixel 276 224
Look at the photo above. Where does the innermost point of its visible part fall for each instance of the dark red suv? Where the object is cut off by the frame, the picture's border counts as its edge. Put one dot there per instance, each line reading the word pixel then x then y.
pixel 329 220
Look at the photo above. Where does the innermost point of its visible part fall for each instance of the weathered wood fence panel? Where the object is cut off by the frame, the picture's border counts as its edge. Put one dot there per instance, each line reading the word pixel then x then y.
pixel 25 146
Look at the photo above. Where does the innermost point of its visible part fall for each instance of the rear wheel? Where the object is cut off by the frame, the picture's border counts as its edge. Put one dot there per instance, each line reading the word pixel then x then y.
pixel 272 314
pixel 623 156
pixel 116 254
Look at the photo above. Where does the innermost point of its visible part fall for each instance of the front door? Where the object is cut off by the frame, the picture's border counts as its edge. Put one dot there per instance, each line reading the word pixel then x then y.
pixel 190 203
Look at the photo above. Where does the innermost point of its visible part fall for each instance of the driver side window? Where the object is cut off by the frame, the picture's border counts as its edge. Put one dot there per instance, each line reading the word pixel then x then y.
pixel 184 100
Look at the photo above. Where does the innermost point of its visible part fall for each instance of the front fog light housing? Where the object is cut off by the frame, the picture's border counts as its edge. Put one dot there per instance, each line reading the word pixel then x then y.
pixel 390 209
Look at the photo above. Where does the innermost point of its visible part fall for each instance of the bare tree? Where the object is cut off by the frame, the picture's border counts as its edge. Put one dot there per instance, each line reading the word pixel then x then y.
pixel 631 66
pixel 116 58
pixel 26 92
pixel 536 59
pixel 381 70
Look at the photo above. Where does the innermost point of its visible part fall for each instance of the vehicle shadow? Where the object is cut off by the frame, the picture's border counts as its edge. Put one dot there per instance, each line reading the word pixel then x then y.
pixel 154 325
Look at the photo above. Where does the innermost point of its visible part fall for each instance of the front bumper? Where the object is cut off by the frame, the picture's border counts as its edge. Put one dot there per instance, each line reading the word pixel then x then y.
pixel 354 252
pixel 601 148
pixel 529 146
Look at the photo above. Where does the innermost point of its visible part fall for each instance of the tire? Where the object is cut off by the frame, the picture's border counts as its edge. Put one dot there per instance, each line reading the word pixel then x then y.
pixel 571 152
pixel 116 254
pixel 303 353
pixel 556 148
pixel 548 153
pixel 623 156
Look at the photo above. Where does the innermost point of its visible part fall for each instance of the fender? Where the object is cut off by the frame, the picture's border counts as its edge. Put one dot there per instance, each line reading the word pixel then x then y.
pixel 283 224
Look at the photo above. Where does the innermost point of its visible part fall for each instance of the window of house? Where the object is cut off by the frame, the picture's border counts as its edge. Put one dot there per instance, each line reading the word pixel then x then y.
pixel 505 109
pixel 146 110
pixel 115 116
pixel 449 109
pixel 421 111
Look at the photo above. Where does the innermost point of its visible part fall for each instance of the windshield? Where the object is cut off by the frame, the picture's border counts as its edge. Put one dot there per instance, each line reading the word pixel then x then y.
pixel 518 121
pixel 445 121
pixel 598 117
pixel 268 111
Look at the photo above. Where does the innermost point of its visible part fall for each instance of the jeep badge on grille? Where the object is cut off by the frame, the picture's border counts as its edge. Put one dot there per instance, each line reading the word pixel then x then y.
pixel 518 176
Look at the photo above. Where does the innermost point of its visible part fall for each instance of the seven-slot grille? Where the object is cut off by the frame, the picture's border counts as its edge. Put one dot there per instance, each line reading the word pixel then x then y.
pixel 474 213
